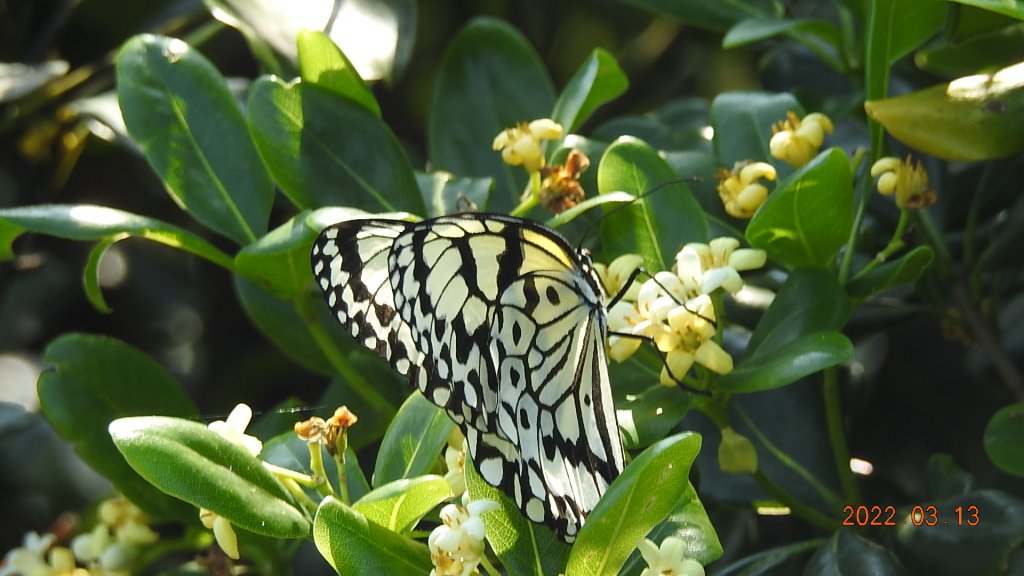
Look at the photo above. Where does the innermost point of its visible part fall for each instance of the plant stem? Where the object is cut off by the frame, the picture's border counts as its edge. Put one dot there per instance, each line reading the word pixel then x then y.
pixel 837 436
pixel 802 510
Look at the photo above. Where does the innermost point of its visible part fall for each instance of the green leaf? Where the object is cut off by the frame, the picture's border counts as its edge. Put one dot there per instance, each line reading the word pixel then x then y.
pixel 972 118
pixel 651 414
pixel 491 79
pixel 91 275
pixel 289 330
pixel 445 194
pixel 279 261
pixel 354 545
pixel 413 441
pixel 850 555
pixel 784 365
pixel 810 301
pixel 952 547
pixel 96 379
pixel 1004 439
pixel 717 16
pixel 820 36
pixel 375 35
pixel 637 501
pixel 743 124
pixel 524 548
pixel 893 29
pixel 322 63
pixel 189 461
pixel 659 223
pixel 324 149
pixel 400 504
pixel 177 106
pixel 1011 9
pixel 88 222
pixel 598 81
pixel 904 270
pixel 808 217
pixel 688 522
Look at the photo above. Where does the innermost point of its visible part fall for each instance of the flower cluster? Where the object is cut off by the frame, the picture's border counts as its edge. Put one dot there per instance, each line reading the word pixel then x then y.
pixel 796 141
pixel 906 179
pixel 669 559
pixel 674 310
pixel 109 549
pixel 741 190
pixel 457 545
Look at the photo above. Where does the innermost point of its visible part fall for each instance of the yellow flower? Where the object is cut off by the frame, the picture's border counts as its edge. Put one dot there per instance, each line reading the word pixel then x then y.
pixel 796 141
pixel 668 559
pixel 520 145
pixel 688 337
pixel 615 275
pixel 907 179
pixel 740 190
pixel 223 532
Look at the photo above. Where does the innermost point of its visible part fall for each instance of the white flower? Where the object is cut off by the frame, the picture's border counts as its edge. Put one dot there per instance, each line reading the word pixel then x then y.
pixel 615 275
pixel 721 261
pixel 457 545
pixel 455 460
pixel 233 429
pixel 28 560
pixel 668 560
pixel 223 532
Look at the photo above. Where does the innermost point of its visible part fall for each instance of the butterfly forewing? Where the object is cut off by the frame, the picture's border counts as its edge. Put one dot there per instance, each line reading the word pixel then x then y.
pixel 501 323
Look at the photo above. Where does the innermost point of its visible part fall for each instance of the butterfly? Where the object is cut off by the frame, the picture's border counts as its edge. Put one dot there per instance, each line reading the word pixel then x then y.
pixel 500 322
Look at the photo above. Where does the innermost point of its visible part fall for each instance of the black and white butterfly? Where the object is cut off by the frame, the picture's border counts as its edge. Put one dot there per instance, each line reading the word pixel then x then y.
pixel 500 322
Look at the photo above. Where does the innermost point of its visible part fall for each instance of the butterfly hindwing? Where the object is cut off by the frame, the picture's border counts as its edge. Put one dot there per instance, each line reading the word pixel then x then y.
pixel 500 322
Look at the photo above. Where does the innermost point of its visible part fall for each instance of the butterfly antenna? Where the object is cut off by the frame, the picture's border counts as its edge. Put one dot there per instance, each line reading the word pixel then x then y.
pixel 625 205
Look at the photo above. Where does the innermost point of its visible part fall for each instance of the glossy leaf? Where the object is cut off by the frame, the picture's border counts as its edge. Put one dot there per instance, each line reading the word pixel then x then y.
pixel 807 218
pixel 688 522
pixel 820 36
pixel 354 545
pixel 96 379
pixel 949 546
pixel 524 548
pixel 638 500
pixel 91 276
pixel 972 118
pixel 446 194
pixel 743 124
pixel 847 554
pixel 893 28
pixel 413 442
pixel 177 106
pixel 88 222
pixel 322 63
pixel 1004 439
pixel 375 35
pixel 784 365
pixel 324 149
pixel 189 461
pixel 400 504
pixel 1011 9
pixel 598 81
pixel 904 270
pixel 491 79
pixel 660 223
pixel 810 301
